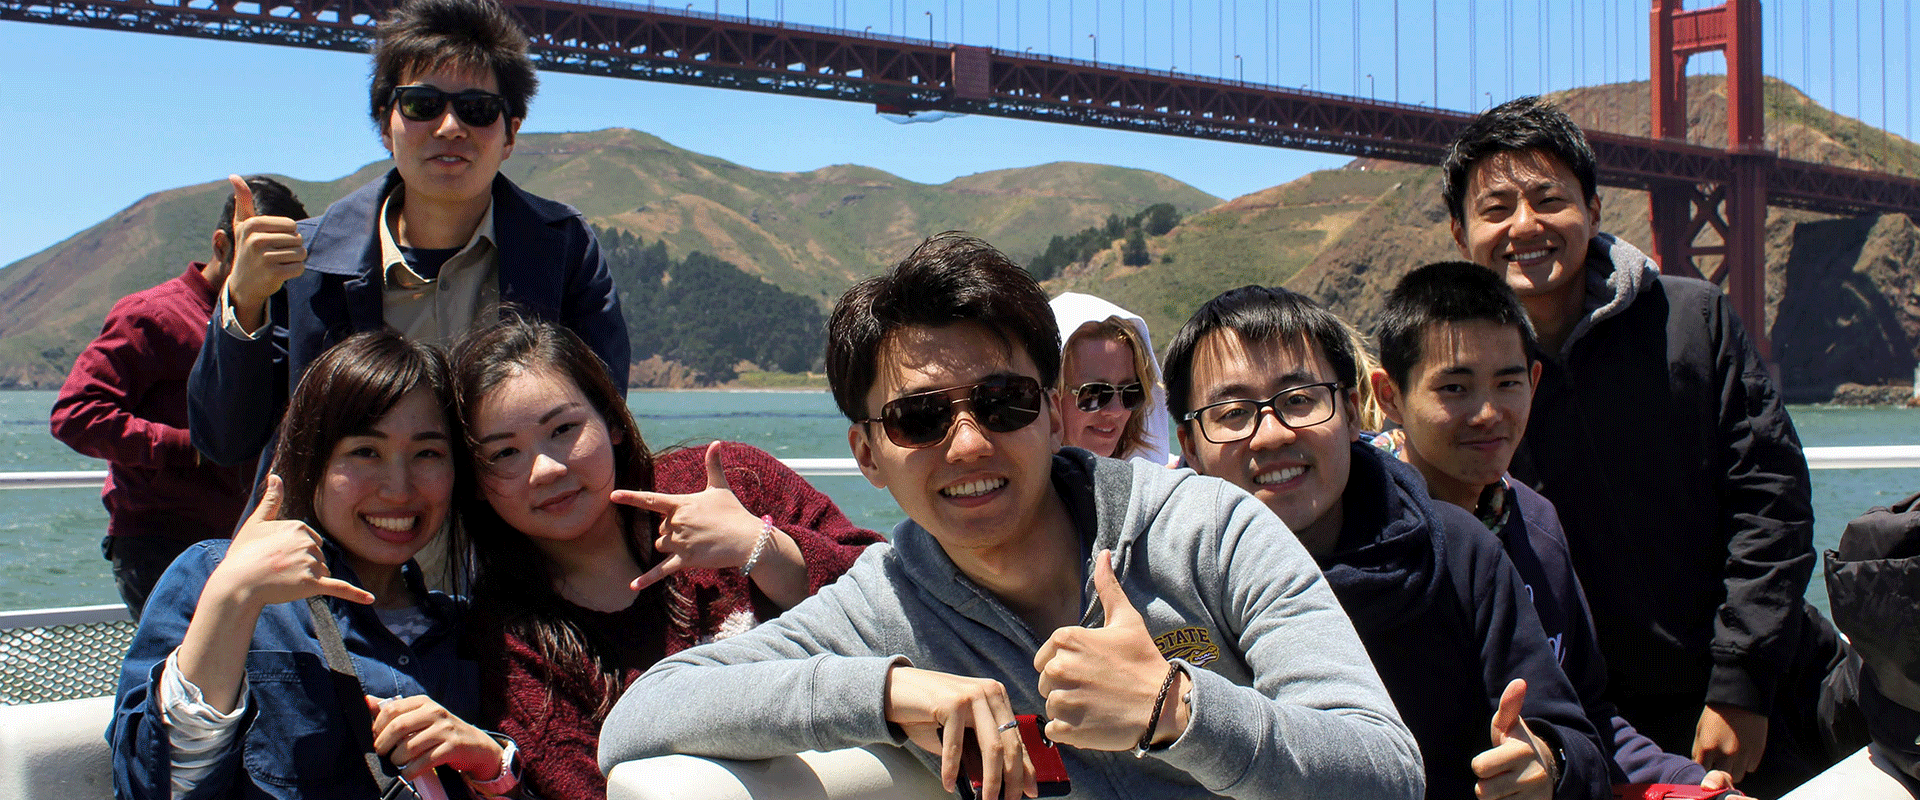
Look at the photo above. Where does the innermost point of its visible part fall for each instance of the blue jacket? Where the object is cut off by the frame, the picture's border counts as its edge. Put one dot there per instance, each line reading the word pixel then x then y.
pixel 293 741
pixel 549 262
pixel 1442 613
pixel 1534 542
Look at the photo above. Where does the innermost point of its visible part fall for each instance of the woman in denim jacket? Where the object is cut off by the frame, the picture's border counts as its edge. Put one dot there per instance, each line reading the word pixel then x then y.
pixel 225 691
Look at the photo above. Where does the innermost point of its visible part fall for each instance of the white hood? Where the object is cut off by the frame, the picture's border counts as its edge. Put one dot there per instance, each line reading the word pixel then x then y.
pixel 1072 310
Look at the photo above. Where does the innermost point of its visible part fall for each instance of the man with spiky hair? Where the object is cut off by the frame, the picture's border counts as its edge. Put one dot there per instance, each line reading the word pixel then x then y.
pixel 1179 641
pixel 425 250
pixel 1660 437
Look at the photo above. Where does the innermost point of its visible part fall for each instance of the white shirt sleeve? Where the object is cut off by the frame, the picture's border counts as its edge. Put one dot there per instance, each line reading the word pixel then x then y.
pixel 198 733
pixel 230 322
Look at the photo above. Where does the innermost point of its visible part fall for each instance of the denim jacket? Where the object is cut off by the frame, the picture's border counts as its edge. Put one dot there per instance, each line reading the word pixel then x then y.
pixel 293 741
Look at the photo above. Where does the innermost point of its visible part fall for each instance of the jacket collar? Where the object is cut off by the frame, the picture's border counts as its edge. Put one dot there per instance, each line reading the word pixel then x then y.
pixel 1387 563
pixel 1616 273
pixel 522 224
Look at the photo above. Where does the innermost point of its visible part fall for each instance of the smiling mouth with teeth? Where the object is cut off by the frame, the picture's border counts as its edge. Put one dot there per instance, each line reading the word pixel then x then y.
pixel 1529 255
pixel 974 488
pixel 395 524
pixel 1279 475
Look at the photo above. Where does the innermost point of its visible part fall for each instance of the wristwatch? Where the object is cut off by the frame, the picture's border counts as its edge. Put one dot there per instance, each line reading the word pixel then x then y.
pixel 509 777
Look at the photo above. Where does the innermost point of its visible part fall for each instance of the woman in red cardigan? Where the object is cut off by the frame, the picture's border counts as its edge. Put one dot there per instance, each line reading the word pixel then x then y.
pixel 595 558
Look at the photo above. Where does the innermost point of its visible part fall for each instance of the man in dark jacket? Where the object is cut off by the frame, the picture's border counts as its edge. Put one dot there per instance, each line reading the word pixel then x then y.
pixel 1457 375
pixel 425 250
pixel 1261 381
pixel 1658 434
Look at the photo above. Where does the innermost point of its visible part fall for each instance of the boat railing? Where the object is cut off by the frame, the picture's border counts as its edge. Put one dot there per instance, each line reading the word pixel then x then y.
pixel 1867 457
pixel 63 653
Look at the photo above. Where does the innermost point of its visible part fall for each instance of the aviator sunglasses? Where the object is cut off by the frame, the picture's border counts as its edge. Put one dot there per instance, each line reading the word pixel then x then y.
pixel 474 107
pixel 1091 397
pixel 1001 404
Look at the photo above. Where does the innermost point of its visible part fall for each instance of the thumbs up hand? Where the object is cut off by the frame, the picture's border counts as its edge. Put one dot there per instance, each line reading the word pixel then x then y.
pixel 267 252
pixel 707 529
pixel 1100 683
pixel 1518 765
pixel 273 560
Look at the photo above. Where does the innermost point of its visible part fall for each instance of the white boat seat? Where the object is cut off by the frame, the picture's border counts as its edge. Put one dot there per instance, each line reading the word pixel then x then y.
pixel 874 772
pixel 1857 777
pixel 56 751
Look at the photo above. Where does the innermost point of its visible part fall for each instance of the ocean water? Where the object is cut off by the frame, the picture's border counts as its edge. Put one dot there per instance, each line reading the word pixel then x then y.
pixel 50 539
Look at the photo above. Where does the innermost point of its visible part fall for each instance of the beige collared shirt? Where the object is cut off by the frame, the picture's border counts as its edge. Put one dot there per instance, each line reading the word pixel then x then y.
pixel 437 309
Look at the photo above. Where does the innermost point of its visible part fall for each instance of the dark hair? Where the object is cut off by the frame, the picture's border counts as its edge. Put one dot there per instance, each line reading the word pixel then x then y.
pixel 950 278
pixel 1449 291
pixel 513 578
pixel 1523 123
pixel 469 35
pixel 1259 314
pixel 344 392
pixel 270 197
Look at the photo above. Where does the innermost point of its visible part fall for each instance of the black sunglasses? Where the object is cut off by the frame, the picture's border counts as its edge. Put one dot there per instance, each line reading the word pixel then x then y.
pixel 474 107
pixel 1091 397
pixel 1001 404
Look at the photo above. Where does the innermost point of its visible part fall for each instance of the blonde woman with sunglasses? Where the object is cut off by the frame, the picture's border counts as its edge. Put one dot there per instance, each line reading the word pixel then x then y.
pixel 1110 387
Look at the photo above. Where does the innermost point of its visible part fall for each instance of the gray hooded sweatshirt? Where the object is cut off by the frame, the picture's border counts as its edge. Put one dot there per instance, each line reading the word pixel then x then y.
pixel 1285 702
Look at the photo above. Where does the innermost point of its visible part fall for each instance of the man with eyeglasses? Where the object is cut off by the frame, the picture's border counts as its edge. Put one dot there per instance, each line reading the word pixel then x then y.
pixel 1261 381
pixel 424 250
pixel 1177 639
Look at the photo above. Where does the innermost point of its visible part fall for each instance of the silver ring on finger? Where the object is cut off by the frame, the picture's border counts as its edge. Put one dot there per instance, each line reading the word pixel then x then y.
pixel 1008 725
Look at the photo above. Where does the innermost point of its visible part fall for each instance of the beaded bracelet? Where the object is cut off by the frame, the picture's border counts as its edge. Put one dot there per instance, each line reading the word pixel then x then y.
pixel 766 535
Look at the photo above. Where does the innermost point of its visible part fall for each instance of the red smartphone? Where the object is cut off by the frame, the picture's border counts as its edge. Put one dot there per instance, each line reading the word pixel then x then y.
pixel 1048 770
pixel 1666 791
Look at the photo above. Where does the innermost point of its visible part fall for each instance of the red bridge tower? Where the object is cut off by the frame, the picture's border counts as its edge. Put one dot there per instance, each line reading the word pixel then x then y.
pixel 1736 208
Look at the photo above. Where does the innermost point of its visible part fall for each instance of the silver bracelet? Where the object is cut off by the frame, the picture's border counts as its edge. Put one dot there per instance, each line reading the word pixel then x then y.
pixel 766 535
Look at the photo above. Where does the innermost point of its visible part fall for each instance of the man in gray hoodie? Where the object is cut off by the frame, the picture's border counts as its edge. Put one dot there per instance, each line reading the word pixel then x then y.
pixel 1178 638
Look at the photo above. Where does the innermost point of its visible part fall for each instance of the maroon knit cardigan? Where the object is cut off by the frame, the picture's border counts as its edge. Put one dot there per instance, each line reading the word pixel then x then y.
pixel 551 710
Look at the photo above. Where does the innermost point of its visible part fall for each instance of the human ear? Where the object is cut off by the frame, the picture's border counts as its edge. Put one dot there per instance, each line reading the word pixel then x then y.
pixel 1460 239
pixel 863 454
pixel 1386 395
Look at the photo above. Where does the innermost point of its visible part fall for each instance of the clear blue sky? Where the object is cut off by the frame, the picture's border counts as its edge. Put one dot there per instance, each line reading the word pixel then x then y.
pixel 95 120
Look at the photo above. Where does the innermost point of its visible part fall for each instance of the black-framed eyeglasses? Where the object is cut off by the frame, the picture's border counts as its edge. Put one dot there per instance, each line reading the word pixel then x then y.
pixel 1095 395
pixel 475 107
pixel 1002 404
pixel 1298 407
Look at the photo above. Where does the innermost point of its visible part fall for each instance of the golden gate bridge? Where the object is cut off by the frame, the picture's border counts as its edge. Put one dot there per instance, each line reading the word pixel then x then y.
pixel 1716 192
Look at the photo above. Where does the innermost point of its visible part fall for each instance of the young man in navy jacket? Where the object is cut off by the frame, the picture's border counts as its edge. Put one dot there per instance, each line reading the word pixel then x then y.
pixel 1262 381
pixel 1457 375
pixel 427 249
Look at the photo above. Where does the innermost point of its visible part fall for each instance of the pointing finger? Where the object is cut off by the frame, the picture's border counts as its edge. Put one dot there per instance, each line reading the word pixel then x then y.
pixel 651 501
pixel 1507 716
pixel 716 474
pixel 1106 585
pixel 667 566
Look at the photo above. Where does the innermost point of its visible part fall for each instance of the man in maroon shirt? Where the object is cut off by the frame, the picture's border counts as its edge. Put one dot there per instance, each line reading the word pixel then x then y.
pixel 126 402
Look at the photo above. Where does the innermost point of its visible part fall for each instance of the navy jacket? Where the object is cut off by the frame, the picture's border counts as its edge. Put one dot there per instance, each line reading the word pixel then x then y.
pixel 549 262
pixel 1445 619
pixel 1534 542
pixel 293 741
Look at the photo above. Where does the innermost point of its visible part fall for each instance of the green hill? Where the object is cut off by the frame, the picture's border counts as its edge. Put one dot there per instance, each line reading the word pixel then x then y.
pixel 808 233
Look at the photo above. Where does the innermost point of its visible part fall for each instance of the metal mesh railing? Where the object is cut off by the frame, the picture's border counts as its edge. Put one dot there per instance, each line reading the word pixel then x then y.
pixel 62 654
